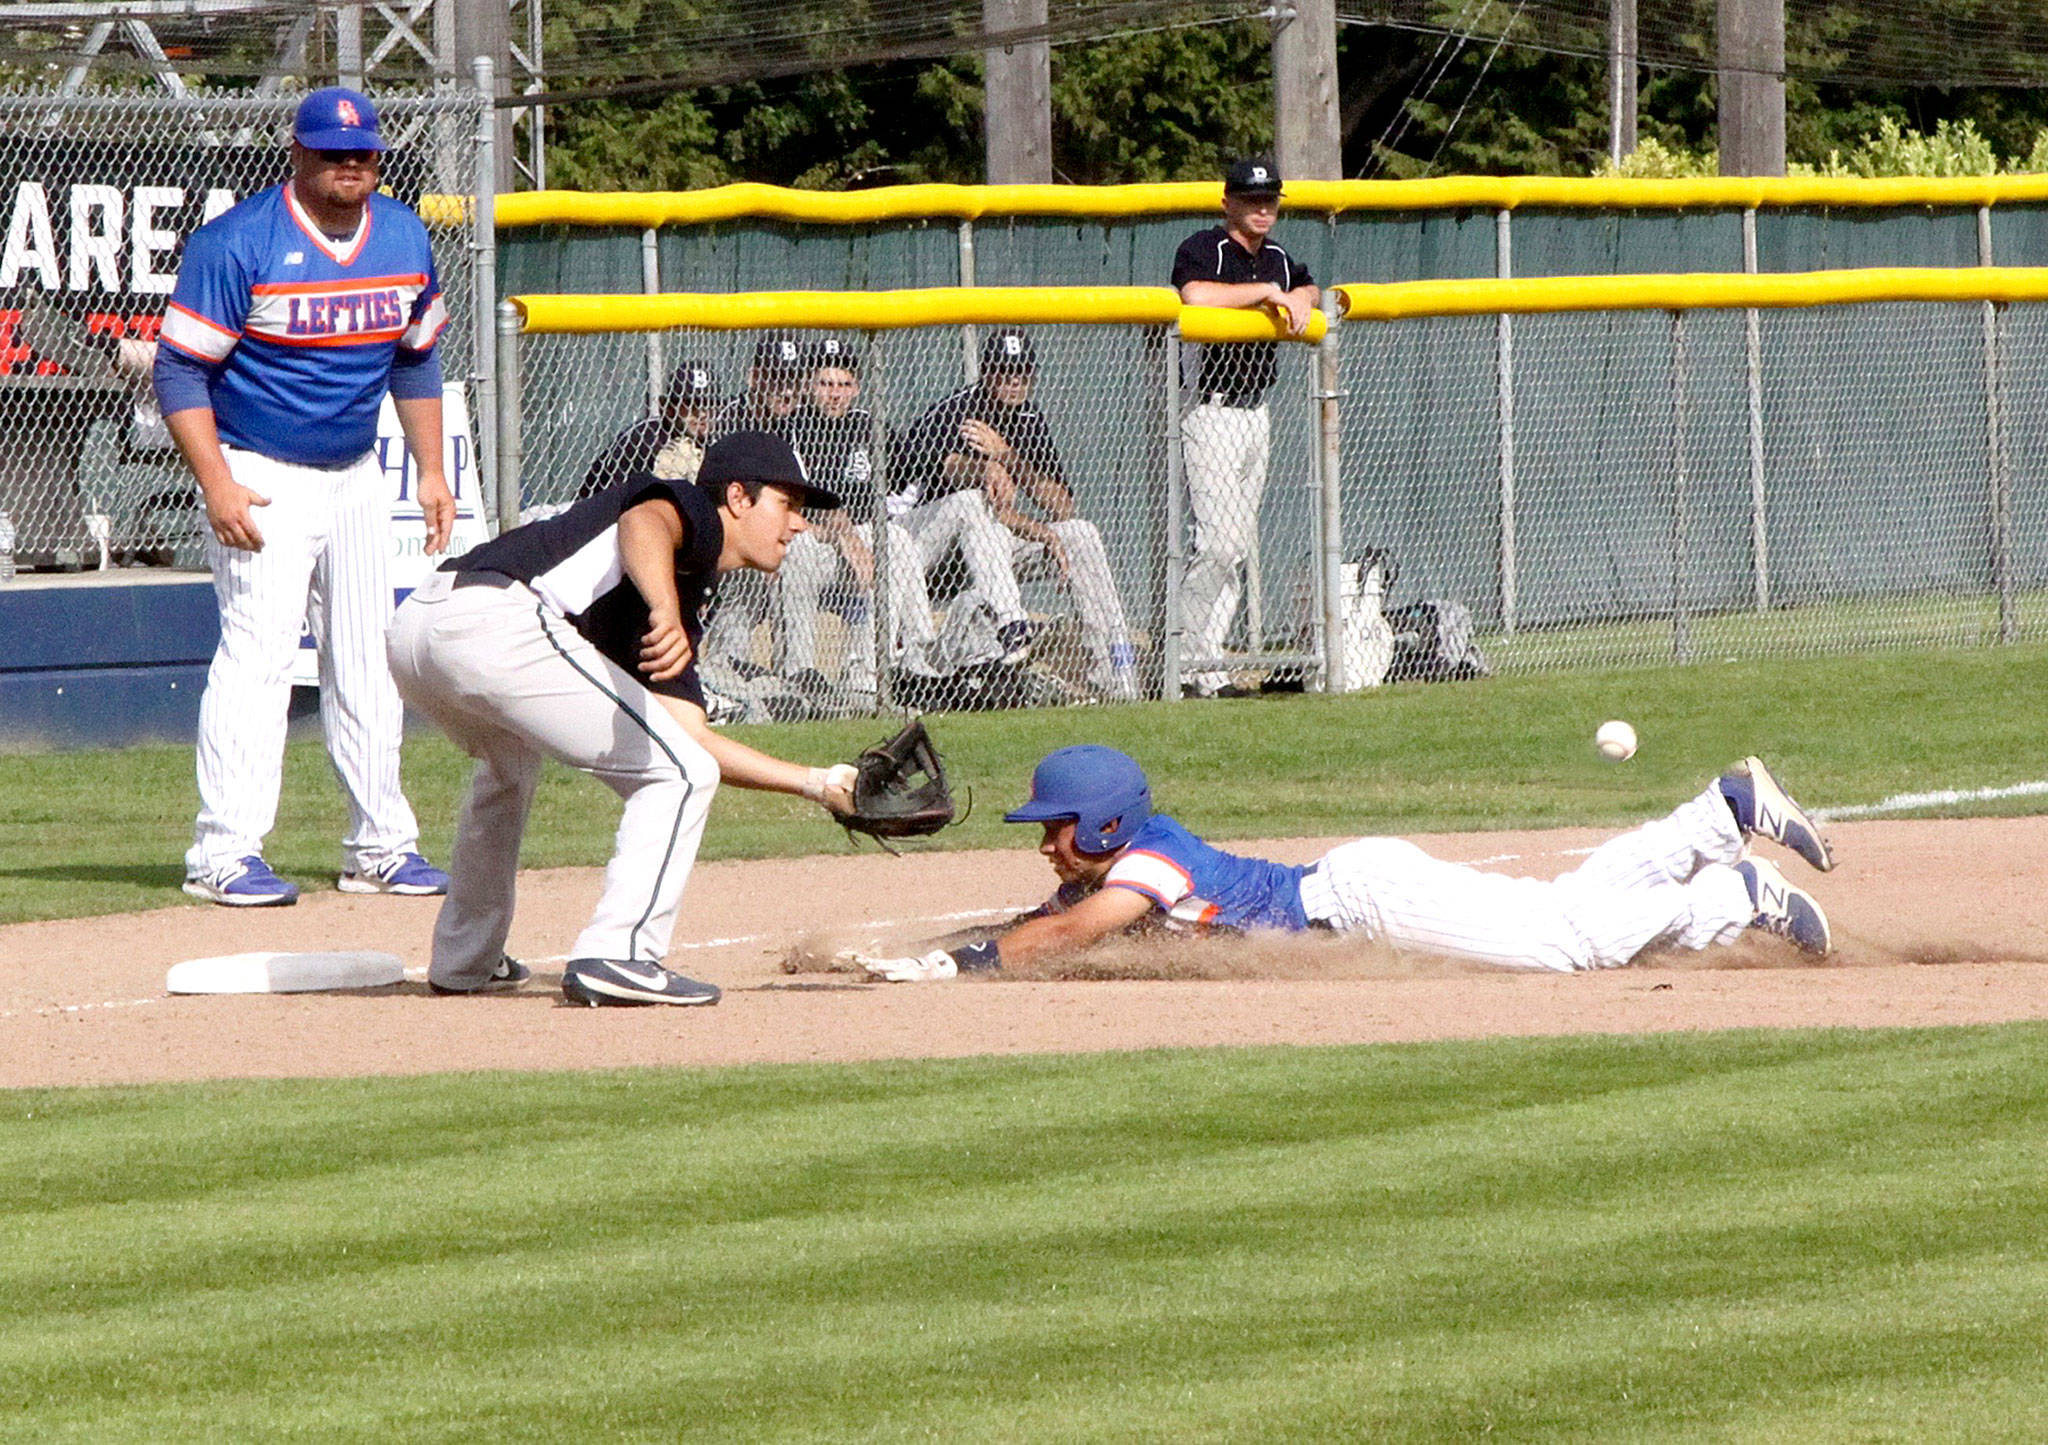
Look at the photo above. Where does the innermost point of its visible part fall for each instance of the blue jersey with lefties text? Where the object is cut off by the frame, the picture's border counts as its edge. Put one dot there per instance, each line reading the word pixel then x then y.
pixel 301 332
pixel 1199 886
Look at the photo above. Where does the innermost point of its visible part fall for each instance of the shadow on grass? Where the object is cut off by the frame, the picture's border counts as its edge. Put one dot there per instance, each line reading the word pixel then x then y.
pixel 138 875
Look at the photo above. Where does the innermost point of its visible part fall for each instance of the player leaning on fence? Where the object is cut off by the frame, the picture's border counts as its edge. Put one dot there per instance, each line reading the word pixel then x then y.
pixel 294 314
pixel 1226 435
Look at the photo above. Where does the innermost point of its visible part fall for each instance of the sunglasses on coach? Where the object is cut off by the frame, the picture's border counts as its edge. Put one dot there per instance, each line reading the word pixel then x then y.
pixel 341 158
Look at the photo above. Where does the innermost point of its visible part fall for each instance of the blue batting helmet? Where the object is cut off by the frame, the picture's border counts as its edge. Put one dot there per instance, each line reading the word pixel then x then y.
pixel 337 119
pixel 1101 789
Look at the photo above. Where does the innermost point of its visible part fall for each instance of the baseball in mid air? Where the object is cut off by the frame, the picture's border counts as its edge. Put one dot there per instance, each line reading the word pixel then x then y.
pixel 1616 741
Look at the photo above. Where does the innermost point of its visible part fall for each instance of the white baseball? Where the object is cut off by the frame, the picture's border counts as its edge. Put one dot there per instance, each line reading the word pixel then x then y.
pixel 1616 741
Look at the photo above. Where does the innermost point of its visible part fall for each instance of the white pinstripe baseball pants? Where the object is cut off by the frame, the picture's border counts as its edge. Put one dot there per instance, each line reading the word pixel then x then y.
pixel 1670 881
pixel 1225 451
pixel 512 683
pixel 327 540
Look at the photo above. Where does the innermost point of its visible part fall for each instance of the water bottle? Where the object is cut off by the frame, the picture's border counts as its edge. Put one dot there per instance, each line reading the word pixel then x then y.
pixel 6 548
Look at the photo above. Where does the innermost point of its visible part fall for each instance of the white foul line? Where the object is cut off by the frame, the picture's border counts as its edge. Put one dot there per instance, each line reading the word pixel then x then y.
pixel 1945 798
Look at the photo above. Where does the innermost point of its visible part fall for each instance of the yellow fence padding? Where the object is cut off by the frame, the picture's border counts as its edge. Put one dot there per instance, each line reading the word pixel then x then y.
pixel 894 310
pixel 643 209
pixel 1700 291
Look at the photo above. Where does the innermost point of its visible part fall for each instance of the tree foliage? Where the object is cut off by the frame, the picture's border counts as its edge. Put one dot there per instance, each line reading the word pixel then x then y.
pixel 1177 104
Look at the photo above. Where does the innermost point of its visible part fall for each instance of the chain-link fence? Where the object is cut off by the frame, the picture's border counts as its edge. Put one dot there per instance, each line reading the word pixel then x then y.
pixel 1511 492
pixel 1612 488
pixel 100 192
pixel 1052 516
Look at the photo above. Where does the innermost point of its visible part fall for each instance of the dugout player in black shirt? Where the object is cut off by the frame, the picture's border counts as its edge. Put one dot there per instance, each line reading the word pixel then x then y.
pixel 574 638
pixel 669 445
pixel 1226 436
pixel 834 564
pixel 991 439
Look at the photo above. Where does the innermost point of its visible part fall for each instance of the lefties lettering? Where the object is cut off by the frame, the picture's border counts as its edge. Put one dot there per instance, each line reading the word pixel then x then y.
pixel 344 314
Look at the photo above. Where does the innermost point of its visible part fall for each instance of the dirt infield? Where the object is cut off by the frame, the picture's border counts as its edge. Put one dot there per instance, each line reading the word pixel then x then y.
pixel 1935 922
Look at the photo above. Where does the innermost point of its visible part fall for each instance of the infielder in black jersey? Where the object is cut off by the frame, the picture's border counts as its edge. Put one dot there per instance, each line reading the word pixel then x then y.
pixel 575 638
pixel 1226 436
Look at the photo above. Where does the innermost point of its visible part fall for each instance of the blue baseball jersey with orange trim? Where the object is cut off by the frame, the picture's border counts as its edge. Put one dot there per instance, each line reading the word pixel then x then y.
pixel 1200 886
pixel 300 330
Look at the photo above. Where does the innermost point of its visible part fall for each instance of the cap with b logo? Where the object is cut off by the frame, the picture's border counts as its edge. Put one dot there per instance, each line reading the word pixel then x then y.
pixel 1008 350
pixel 691 384
pixel 1255 177
pixel 833 352
pixel 778 355
pixel 337 119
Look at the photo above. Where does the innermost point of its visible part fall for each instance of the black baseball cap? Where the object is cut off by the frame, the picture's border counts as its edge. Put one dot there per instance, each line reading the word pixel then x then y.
pixel 691 384
pixel 1008 349
pixel 1255 177
pixel 834 352
pixel 779 355
pixel 759 456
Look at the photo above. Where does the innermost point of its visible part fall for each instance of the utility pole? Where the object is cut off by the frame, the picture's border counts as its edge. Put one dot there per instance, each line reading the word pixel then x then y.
pixel 478 27
pixel 1751 39
pixel 1307 129
pixel 1621 79
pixel 1017 95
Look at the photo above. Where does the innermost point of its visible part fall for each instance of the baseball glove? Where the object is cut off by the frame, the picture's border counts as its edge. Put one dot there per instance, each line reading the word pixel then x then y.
pixel 900 788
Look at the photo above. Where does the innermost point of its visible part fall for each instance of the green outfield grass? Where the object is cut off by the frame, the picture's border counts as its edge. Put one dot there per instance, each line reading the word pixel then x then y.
pixel 97 832
pixel 1799 1237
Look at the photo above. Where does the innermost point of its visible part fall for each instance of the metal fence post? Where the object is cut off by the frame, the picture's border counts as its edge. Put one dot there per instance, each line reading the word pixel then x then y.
pixel 650 285
pixel 1994 440
pixel 1504 390
pixel 970 338
pixel 874 374
pixel 1171 632
pixel 1329 475
pixel 1753 374
pixel 1681 624
pixel 510 323
pixel 483 241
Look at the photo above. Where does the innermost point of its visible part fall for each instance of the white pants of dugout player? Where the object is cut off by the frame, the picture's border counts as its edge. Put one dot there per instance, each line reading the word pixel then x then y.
pixel 1104 631
pixel 1224 455
pixel 1670 881
pixel 512 683
pixel 964 517
pixel 327 540
pixel 810 567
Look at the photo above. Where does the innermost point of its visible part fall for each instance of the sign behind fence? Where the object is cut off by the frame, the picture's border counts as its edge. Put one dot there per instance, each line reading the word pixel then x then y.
pixel 409 560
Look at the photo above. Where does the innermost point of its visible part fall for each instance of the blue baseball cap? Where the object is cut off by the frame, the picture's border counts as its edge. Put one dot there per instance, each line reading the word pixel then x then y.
pixel 337 119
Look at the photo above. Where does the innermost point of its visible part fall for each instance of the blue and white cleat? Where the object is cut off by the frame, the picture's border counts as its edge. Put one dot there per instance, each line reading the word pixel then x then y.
pixel 1763 809
pixel 404 873
pixel 244 883
pixel 611 982
pixel 1784 910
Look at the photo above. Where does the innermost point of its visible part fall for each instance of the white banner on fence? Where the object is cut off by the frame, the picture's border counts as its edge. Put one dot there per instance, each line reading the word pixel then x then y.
pixel 409 560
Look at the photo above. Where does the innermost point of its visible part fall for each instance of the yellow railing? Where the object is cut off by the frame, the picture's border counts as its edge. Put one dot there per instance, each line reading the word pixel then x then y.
pixel 893 310
pixel 1686 292
pixel 644 209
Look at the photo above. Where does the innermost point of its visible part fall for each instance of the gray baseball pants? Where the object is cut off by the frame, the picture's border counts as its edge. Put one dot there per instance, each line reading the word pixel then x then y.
pixel 511 682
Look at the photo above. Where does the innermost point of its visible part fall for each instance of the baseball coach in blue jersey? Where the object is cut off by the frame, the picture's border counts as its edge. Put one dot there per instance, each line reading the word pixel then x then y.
pixel 293 315
pixel 1686 880
pixel 575 638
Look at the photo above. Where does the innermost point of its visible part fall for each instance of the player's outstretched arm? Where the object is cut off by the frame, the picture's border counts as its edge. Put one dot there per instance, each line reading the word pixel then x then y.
pixel 1045 936
pixel 831 788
